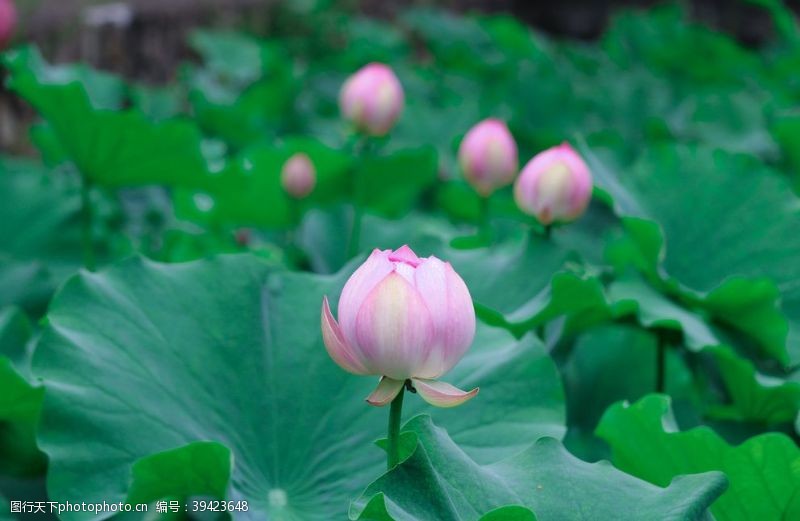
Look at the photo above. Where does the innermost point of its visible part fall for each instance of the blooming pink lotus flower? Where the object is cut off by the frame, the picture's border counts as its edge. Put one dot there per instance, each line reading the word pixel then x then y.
pixel 8 21
pixel 372 99
pixel 555 186
pixel 488 156
pixel 298 175
pixel 403 318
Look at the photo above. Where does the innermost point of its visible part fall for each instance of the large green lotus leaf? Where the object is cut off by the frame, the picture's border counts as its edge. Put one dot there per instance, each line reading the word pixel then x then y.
pixel 50 148
pixel 105 91
pixel 440 481
pixel 259 111
pixel 28 284
pixel 201 468
pixel 112 148
pixel 663 40
pixel 40 233
pixel 15 331
pixel 20 402
pixel 522 284
pixel 630 295
pixel 611 363
pixel 731 120
pixel 158 103
pixel 786 130
pixel 145 358
pixel 245 90
pixel 749 305
pixel 367 40
pixel 393 184
pixel 764 471
pixel 458 43
pixel 44 206
pixel 739 221
pixel 235 56
pixel 753 396
pixel 249 191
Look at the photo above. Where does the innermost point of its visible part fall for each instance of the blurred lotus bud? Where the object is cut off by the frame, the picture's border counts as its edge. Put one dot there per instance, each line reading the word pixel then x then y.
pixel 8 21
pixel 555 186
pixel 298 176
pixel 488 156
pixel 372 99
pixel 402 317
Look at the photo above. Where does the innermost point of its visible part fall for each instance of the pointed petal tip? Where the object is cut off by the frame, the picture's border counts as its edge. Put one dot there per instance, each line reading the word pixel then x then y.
pixel 405 254
pixel 442 394
pixel 335 343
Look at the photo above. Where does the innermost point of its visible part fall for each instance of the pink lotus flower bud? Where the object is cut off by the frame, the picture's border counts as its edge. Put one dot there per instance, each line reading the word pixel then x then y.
pixel 488 156
pixel 402 317
pixel 555 186
pixel 372 99
pixel 8 21
pixel 298 176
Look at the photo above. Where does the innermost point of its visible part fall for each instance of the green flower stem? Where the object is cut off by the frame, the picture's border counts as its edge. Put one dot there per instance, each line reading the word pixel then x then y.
pixel 361 149
pixel 485 227
pixel 547 231
pixel 295 218
pixel 87 220
pixel 395 413
pixel 355 233
pixel 661 358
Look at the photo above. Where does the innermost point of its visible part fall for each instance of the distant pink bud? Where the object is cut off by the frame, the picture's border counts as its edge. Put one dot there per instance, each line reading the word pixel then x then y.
pixel 372 99
pixel 402 317
pixel 8 21
pixel 298 176
pixel 488 156
pixel 555 186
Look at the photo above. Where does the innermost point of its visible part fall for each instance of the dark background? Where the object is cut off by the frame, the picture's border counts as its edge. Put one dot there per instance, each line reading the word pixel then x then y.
pixel 144 39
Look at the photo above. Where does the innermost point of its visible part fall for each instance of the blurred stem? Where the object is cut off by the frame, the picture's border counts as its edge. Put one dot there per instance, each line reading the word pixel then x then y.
pixel 355 233
pixel 547 231
pixel 294 226
pixel 87 221
pixel 361 149
pixel 395 414
pixel 485 227
pixel 661 359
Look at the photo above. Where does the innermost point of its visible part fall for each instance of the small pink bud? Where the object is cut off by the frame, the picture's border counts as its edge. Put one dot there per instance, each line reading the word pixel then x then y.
pixel 8 21
pixel 555 186
pixel 298 175
pixel 372 99
pixel 402 317
pixel 488 156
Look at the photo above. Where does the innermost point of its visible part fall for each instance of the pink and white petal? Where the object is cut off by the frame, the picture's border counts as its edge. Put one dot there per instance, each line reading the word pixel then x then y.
pixel 358 286
pixel 405 254
pixel 336 345
pixel 387 390
pixel 394 328
pixel 460 327
pixel 447 297
pixel 442 394
pixel 406 271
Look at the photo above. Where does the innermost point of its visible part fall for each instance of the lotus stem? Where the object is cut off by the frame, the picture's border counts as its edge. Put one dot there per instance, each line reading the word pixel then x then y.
pixel 87 221
pixel 395 414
